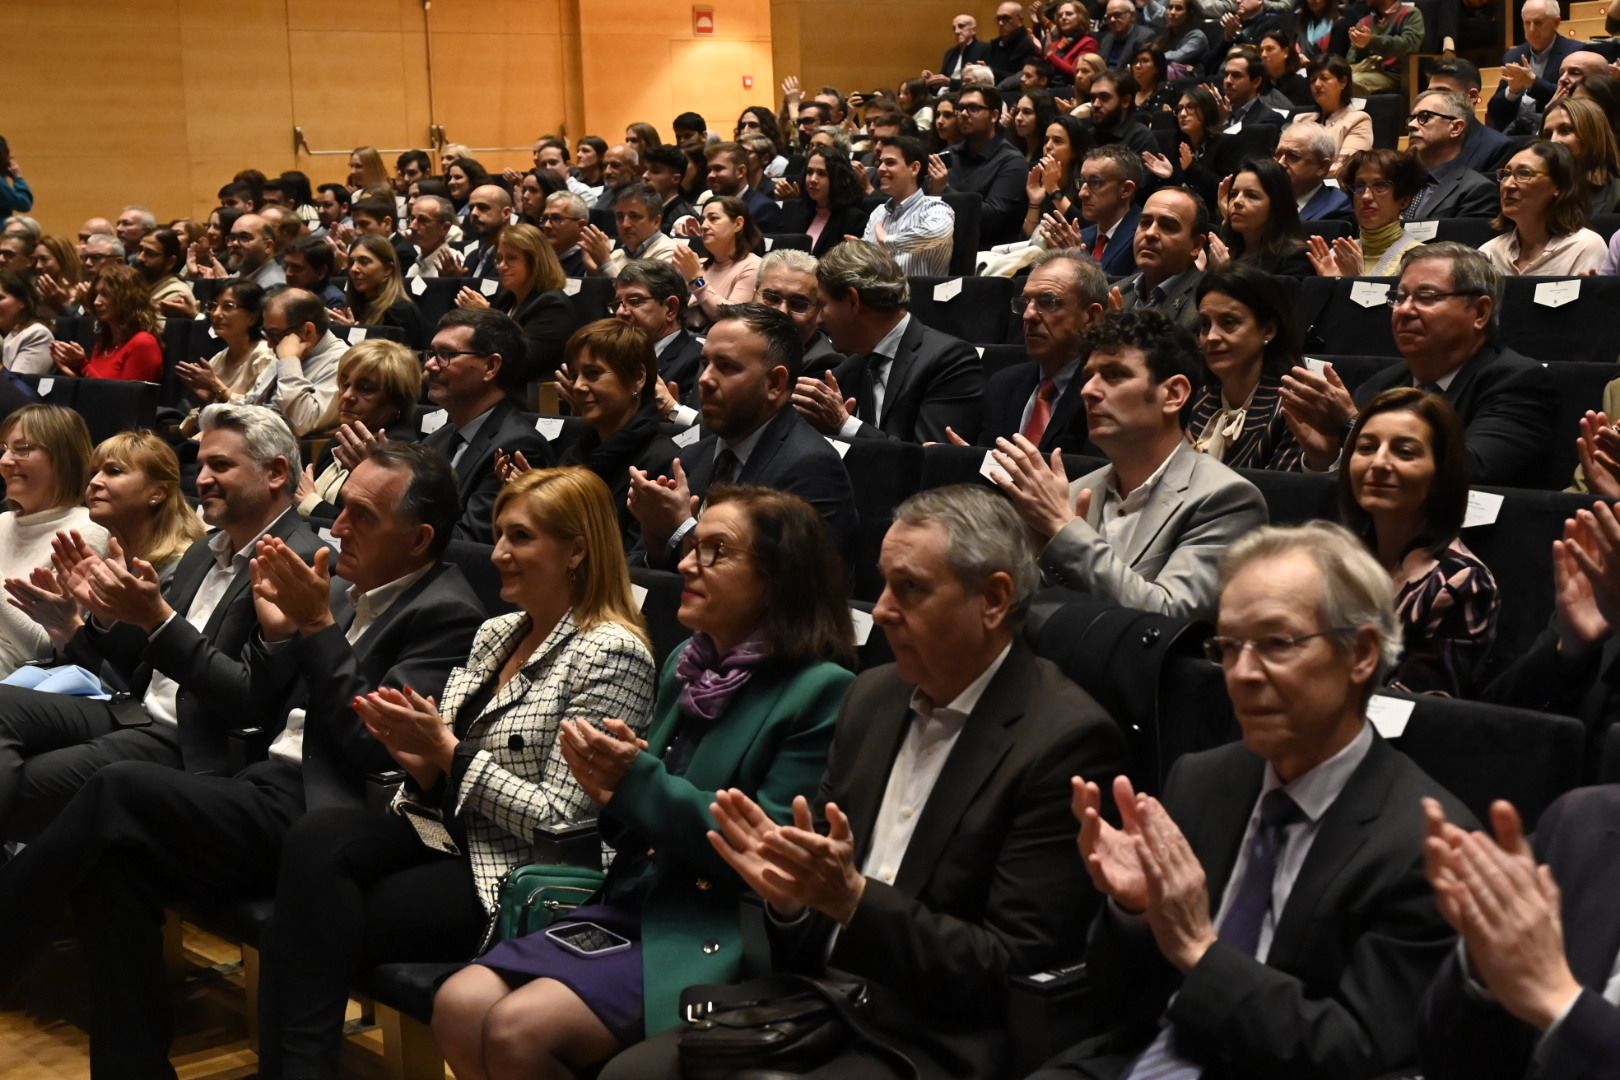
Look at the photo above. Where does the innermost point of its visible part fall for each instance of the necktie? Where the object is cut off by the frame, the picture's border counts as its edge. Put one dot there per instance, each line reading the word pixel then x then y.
pixel 725 467
pixel 874 403
pixel 458 443
pixel 1419 201
pixel 1431 388
pixel 1041 413
pixel 1246 913
pixel 1100 248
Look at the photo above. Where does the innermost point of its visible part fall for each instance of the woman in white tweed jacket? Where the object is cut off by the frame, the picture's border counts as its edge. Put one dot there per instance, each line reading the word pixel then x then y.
pixel 358 888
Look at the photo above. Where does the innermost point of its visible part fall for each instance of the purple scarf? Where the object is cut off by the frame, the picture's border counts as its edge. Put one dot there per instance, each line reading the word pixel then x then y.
pixel 713 680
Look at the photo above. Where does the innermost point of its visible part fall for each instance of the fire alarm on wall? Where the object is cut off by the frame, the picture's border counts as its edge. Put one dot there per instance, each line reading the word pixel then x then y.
pixel 748 82
pixel 702 19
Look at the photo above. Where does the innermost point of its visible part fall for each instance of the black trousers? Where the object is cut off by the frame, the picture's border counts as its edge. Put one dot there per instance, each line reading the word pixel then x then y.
pixel 50 744
pixel 658 1058
pixel 355 889
pixel 136 838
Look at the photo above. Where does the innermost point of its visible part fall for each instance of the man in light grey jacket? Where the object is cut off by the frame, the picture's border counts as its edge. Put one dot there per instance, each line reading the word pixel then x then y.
pixel 1147 530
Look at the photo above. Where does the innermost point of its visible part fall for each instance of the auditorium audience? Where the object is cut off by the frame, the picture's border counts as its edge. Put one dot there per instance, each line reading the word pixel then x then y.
pixel 637 215
pixel 727 275
pixel 1113 105
pixel 531 293
pixel 1381 184
pixel 25 334
pixel 1544 212
pixel 1530 70
pixel 296 326
pixel 1282 62
pixel 432 217
pixel 126 345
pixel 379 384
pixel 310 263
pixel 1350 126
pixel 1148 529
pixel 830 205
pixel 902 380
pixel 488 211
pixel 1580 126
pixel 159 256
pixel 1250 909
pixel 1170 237
pixel 1183 41
pixel 728 175
pixel 987 734
pixel 377 294
pixel 787 282
pixel 1032 112
pixel 1380 44
pixel 1125 34
pixel 45 462
pixel 244 371
pixel 1250 339
pixel 653 297
pixel 250 251
pixel 1323 28
pixel 915 228
pixel 1155 95
pixel 1262 221
pixel 563 222
pixel 57 276
pixel 985 164
pixel 1053 186
pixel 1484 148
pixel 749 701
pixel 1110 177
pixel 1243 78
pixel 1435 132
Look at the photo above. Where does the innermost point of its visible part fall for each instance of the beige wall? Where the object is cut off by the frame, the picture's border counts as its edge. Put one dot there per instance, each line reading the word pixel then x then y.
pixel 861 44
pixel 160 102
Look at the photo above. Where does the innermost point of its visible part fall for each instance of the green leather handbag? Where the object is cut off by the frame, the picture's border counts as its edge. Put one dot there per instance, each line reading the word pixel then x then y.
pixel 533 897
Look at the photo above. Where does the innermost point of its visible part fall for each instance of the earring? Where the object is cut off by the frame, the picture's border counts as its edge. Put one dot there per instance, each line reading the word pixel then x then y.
pixel 572 573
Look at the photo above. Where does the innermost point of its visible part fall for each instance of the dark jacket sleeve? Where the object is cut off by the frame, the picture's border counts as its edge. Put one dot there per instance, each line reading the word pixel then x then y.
pixel 545 330
pixel 1511 427
pixel 952 397
pixel 1479 201
pixel 477 521
pixel 1005 202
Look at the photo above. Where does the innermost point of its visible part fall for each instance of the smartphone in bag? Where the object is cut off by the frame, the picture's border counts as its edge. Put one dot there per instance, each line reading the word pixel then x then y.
pixel 587 939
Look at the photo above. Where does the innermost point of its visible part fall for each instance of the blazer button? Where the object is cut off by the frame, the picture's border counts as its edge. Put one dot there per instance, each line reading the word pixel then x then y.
pixel 711 947
pixel 515 742
pixel 703 885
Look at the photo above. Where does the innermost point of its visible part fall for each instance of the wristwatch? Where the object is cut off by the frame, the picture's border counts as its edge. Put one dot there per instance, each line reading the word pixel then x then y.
pixel 698 283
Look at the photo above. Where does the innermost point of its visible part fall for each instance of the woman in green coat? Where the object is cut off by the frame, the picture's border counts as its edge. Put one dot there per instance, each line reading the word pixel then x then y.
pixel 749 701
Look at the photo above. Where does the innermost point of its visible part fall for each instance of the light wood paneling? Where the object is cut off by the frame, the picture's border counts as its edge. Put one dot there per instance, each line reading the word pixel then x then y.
pixel 822 42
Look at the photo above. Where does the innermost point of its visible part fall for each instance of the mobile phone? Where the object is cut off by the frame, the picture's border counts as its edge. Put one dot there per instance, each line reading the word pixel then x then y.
pixel 587 939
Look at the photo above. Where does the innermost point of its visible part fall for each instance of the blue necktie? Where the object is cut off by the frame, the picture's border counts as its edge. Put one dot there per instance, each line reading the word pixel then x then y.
pixel 1246 913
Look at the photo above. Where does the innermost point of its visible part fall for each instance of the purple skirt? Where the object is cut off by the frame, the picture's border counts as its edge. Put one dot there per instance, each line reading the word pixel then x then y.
pixel 609 984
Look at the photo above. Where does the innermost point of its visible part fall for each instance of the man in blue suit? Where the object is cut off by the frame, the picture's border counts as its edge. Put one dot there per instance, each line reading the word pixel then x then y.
pixel 1531 68
pixel 1109 180
pixel 1306 152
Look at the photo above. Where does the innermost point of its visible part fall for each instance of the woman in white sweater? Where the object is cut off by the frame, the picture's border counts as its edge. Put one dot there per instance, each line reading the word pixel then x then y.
pixel 45 463
pixel 25 337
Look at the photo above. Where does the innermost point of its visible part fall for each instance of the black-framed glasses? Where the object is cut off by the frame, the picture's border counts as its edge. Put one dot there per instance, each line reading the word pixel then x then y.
pixel 1045 302
pixel 222 307
pixel 971 107
pixel 445 357
pixel 1425 298
pixel 1270 649
pixel 711 550
pixel 630 303
pixel 273 335
pixel 797 304
pixel 1424 116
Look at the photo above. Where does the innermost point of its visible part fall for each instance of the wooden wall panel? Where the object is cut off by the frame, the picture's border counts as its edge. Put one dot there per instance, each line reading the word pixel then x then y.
pixel 821 40
pixel 529 69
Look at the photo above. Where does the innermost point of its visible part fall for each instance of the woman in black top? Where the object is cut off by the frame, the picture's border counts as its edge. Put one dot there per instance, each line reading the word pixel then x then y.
pixel 1262 221
pixel 829 206
pixel 1154 94
pixel 377 292
pixel 1281 61
pixel 532 293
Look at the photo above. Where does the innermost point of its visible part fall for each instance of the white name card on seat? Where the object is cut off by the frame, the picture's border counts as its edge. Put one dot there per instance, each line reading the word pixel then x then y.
pixel 862 622
pixel 1421 231
pixel 947 291
pixel 687 437
pixel 770 242
pixel 1556 294
pixel 331 541
pixel 1369 294
pixel 990 470
pixel 1360 103
pixel 1484 507
pixel 357 334
pixel 571 286
pixel 1316 364
pixel 45 386
pixel 488 286
pixel 1389 715
pixel 549 426
pixel 433 421
pixel 839 445
pixel 980 350
pixel 639 592
pixel 418 286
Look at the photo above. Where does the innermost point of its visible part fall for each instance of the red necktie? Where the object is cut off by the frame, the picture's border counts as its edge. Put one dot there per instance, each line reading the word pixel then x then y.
pixel 1101 246
pixel 1041 414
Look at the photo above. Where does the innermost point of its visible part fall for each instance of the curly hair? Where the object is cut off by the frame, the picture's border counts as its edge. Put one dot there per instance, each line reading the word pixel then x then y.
pixel 132 310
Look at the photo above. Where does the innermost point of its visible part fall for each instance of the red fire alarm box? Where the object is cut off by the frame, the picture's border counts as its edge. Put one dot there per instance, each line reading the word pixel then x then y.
pixel 702 19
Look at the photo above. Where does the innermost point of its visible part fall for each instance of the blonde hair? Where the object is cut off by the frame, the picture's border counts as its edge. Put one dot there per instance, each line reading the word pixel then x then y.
pixel 574 502
pixel 393 289
pixel 175 525
pixel 392 364
pixel 372 169
pixel 61 435
pixel 532 244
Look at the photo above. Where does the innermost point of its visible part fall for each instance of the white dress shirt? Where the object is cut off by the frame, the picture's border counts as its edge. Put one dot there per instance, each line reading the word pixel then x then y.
pixel 885 348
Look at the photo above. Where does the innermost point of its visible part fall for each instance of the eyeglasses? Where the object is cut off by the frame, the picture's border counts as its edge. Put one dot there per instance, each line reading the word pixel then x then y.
pixel 796 304
pixel 971 107
pixel 1004 18
pixel 446 357
pixel 629 302
pixel 1045 302
pixel 1186 106
pixel 1271 650
pixel 273 335
pixel 1522 174
pixel 1095 181
pixel 1377 187
pixel 1425 298
pixel 713 550
pixel 224 307
pixel 1424 116
pixel 239 238
pixel 556 219
pixel 20 450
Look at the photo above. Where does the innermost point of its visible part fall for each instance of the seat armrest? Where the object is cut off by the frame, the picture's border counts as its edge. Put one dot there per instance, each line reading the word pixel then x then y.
pixel 246 746
pixel 1048 1012
pixel 565 842
pixel 380 788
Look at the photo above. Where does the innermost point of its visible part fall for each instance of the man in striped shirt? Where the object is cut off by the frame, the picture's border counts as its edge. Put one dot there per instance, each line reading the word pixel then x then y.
pixel 914 227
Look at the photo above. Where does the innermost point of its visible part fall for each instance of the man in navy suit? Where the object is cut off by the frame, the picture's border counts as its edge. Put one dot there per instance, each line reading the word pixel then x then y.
pixel 728 175
pixel 1307 153
pixel 1109 180
pixel 1531 69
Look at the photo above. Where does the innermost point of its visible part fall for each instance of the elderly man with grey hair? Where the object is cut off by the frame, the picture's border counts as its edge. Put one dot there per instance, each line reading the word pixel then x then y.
pixel 1530 70
pixel 1267 915
pixel 1307 152
pixel 432 218
pixel 787 282
pixel 902 380
pixel 175 647
pixel 134 222
pixel 946 861
pixel 563 220
pixel 1444 315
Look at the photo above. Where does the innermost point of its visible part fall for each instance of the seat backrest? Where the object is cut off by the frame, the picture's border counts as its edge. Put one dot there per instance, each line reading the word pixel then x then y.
pixel 1577 330
pixel 1355 370
pixel 1580 387
pixel 662 602
pixel 590 302
pixel 1335 323
pixel 975 309
pixel 354 335
pixel 52 389
pixel 1605 225
pixel 1470 231
pixel 1294 498
pixel 79 328
pixel 113 405
pixel 1388 114
pixel 969 209
pixel 1328 228
pixel 883 474
pixel 1517 548
pixel 434 297
pixel 473 559
pixel 787 242
pixel 998 357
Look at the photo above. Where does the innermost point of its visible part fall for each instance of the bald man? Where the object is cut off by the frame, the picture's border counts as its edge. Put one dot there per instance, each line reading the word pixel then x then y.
pixel 96 226
pixel 1530 71
pixel 1013 47
pixel 489 210
pixel 968 49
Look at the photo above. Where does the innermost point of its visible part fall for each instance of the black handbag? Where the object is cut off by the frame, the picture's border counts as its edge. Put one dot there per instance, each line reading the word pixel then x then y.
pixel 780 1025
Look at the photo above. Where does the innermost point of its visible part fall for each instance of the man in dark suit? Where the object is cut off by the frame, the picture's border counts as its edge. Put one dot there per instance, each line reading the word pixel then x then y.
pixel 176 650
pixel 1110 177
pixel 1531 69
pixel 946 864
pixel 1170 233
pixel 967 50
pixel 1243 77
pixel 1532 990
pixel 472 374
pixel 651 294
pixel 728 175
pixel 990 165
pixel 489 210
pixel 902 380
pixel 1435 132
pixel 1307 153
pixel 1125 35
pixel 395 617
pixel 1113 116
pixel 1012 47
pixel 751 359
pixel 1268 917
pixel 1485 149
pixel 1040 399
pixel 1445 326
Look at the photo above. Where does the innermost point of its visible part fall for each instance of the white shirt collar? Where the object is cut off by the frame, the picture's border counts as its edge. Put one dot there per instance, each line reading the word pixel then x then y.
pixel 890 344
pixel 1316 790
pixel 963 704
pixel 219 543
pixel 370 606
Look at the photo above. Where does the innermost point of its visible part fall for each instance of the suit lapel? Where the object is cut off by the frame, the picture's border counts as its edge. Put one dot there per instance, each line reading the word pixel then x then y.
pixel 467 469
pixel 1592 931
pixel 1064 410
pixel 887 719
pixel 1223 817
pixel 903 368
pixel 775 434
pixel 1159 509
pixel 986 737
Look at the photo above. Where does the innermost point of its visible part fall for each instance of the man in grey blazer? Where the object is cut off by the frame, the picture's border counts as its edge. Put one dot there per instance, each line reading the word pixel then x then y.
pixel 1169 235
pixel 1148 529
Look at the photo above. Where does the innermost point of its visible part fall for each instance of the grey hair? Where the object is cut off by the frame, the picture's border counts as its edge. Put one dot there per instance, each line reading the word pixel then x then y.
pixel 571 204
pixel 635 155
pixel 1456 105
pixel 984 536
pixel 978 75
pixel 263 430
pixel 446 210
pixel 148 219
pixel 1320 141
pixel 1548 7
pixel 836 134
pixel 787 259
pixel 1356 591
pixel 869 270
pixel 1471 272
pixel 1090 280
pixel 114 246
pixel 22 223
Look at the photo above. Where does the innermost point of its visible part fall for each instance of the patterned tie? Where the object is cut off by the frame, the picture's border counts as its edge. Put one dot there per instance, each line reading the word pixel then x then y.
pixel 1041 414
pixel 1251 902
